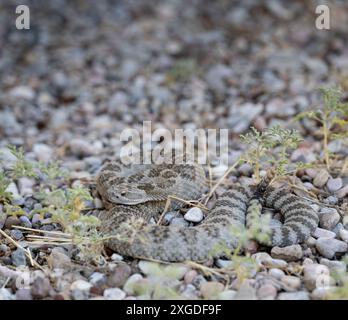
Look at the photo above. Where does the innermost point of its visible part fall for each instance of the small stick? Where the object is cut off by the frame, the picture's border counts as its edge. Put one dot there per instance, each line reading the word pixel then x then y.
pixel 230 169
pixel 26 251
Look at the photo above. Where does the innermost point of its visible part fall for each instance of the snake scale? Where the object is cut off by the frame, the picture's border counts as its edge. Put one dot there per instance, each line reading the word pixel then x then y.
pixel 134 194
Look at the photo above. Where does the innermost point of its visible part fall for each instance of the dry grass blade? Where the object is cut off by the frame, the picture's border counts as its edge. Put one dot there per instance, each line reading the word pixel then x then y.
pixel 221 180
pixel 26 251
pixel 43 231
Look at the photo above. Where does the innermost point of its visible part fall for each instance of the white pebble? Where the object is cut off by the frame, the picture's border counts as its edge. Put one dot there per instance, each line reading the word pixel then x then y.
pixel 343 235
pixel 114 294
pixel 334 185
pixel 323 233
pixel 194 215
pixel 328 247
pixel 80 285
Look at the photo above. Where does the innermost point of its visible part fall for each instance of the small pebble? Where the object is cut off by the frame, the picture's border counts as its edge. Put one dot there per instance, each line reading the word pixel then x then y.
pixel 16 234
pixel 267 292
pixel 227 295
pixel 299 295
pixel 289 253
pixel 211 289
pixel 323 233
pixel 313 273
pixel 179 221
pixel 119 275
pixel 334 185
pixel 291 283
pixel 40 287
pixel 265 260
pixel 336 267
pixel 321 178
pixel 342 192
pixel 25 222
pixel 328 247
pixel 129 285
pixel 321 293
pixel 246 291
pixel 5 294
pixel 97 279
pixel 328 218
pixel 276 273
pixel 189 276
pixel 194 215
pixel 18 258
pixel 116 257
pixel 114 294
pixel 343 233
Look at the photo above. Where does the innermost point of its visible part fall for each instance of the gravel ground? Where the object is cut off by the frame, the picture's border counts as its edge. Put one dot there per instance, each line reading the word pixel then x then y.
pixel 86 70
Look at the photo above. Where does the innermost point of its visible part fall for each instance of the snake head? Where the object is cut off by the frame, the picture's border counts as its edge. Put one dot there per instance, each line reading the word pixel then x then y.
pixel 126 195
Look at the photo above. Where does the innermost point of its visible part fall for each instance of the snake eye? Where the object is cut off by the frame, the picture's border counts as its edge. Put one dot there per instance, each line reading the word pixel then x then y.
pixel 123 193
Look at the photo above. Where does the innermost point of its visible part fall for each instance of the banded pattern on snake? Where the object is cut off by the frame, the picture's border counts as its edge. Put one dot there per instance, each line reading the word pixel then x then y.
pixel 134 194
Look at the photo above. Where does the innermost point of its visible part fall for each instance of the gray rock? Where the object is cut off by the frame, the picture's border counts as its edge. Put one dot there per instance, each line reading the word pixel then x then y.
pixel 242 115
pixel 289 253
pixel 342 192
pixel 323 233
pixel 25 186
pixel 5 294
pixel 16 234
pixel 209 290
pixel 25 222
pixel 331 200
pixel 114 294
pixel 22 92
pixel 263 259
pixel 190 292
pixel 276 273
pixel 334 185
pixel 40 287
pixel 336 267
pixel 59 259
pixel 116 257
pixel 119 275
pixel 194 215
pixel 321 178
pixel 227 295
pixel 321 293
pixel 179 221
pixel 130 283
pixel 23 294
pixel 298 295
pixel 81 147
pixel 328 218
pixel 343 233
pixel 246 291
pixel 328 247
pixel 291 283
pixel 80 289
pixel 310 242
pixel 313 273
pixel 267 292
pixel 12 188
pixel 18 258
pixel 43 152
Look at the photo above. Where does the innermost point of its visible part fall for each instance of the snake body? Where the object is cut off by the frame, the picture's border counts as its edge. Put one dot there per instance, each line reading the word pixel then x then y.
pixel 134 194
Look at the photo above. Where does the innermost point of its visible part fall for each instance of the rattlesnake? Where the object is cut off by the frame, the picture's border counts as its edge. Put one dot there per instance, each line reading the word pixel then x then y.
pixel 134 194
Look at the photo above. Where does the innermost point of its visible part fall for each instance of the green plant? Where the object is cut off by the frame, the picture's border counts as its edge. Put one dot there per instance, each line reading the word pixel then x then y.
pixel 5 196
pixel 332 116
pixel 21 167
pixel 182 70
pixel 260 147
